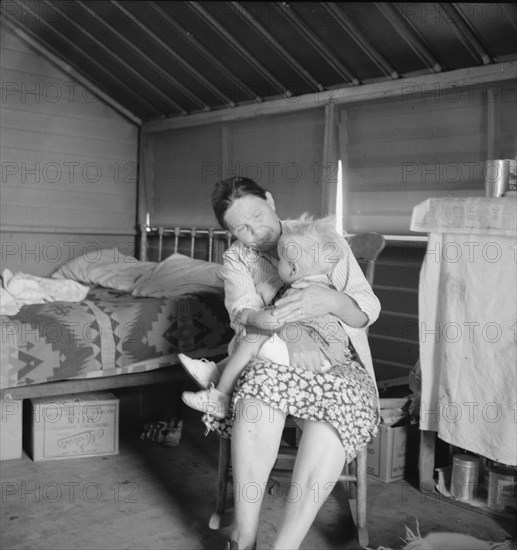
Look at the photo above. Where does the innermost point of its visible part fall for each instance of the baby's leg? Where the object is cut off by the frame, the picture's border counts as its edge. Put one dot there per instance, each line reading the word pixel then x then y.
pixel 216 401
pixel 246 350
pixel 275 349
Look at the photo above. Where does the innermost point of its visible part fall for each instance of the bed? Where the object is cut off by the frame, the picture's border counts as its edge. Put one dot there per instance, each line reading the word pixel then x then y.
pixel 136 316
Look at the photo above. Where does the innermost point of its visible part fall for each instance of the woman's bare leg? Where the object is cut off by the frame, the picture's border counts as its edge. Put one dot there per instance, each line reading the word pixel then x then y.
pixel 256 436
pixel 319 463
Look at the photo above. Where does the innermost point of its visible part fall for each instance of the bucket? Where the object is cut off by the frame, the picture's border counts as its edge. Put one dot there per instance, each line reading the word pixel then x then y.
pixel 502 489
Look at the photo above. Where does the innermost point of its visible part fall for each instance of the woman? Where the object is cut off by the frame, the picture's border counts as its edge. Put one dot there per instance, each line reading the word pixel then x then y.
pixel 338 407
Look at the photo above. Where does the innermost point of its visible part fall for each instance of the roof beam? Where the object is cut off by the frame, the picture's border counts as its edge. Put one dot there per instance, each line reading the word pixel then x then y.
pixel 165 47
pixel 510 15
pixel 194 42
pixel 239 48
pixel 279 49
pixel 404 87
pixel 361 40
pixel 410 35
pixel 164 74
pixel 81 51
pixel 285 9
pixel 464 32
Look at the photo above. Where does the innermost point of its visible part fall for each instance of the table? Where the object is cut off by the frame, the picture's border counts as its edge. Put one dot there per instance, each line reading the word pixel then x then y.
pixel 467 327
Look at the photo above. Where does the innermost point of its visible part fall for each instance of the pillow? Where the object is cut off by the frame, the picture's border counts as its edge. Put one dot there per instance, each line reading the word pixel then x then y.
pixel 107 267
pixel 178 275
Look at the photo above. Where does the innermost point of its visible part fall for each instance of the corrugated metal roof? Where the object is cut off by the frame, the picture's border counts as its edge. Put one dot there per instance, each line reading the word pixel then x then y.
pixel 167 59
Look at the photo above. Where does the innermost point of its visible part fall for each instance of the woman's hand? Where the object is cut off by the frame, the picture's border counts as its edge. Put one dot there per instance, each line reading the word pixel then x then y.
pixel 306 302
pixel 308 359
pixel 310 300
pixel 306 354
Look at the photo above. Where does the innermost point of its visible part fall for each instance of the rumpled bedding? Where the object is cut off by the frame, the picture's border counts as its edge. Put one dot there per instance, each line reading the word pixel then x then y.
pixel 177 275
pixel 109 333
pixel 22 288
pixel 107 267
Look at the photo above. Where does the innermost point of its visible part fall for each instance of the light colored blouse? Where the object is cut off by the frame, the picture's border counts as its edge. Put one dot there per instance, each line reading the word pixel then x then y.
pixel 251 281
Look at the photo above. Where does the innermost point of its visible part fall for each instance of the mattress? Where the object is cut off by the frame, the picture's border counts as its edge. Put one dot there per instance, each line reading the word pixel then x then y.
pixel 111 332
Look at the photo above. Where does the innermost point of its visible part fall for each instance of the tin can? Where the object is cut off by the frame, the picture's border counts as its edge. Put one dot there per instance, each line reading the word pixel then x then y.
pixel 497 176
pixel 502 489
pixel 465 474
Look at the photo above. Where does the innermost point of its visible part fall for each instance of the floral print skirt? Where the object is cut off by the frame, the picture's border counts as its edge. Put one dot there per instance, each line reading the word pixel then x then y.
pixel 345 397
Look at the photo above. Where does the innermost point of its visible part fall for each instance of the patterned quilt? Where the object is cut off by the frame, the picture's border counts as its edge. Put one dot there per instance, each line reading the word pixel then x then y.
pixel 110 332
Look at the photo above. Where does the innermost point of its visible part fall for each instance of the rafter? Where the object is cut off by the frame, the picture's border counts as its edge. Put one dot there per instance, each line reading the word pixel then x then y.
pixel 142 55
pixel 109 53
pixel 316 43
pixel 204 51
pixel 463 30
pixel 410 35
pixel 361 40
pixel 239 48
pixel 167 49
pixel 279 49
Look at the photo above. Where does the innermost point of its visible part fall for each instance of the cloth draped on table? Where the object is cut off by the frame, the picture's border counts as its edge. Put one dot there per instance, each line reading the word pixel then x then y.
pixel 467 316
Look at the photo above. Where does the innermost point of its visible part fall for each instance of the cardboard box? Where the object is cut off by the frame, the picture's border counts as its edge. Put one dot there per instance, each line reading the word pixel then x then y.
pixel 387 453
pixel 11 413
pixel 72 426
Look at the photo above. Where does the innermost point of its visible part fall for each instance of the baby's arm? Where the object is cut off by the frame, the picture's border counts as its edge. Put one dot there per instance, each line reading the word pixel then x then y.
pixel 264 321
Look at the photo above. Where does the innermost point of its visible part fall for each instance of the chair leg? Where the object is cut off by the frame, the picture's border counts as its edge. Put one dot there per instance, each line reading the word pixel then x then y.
pixel 222 482
pixel 352 492
pixel 362 531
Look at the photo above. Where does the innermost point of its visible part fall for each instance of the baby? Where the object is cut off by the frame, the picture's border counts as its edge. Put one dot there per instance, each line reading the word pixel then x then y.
pixel 309 252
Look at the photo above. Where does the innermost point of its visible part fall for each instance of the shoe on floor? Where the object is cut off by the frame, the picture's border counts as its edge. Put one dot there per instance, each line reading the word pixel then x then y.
pixel 202 371
pixel 211 401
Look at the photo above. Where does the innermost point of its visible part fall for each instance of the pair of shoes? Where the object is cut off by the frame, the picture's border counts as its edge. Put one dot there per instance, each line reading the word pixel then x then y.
pixel 203 372
pixel 210 401
pixel 166 433
pixel 232 545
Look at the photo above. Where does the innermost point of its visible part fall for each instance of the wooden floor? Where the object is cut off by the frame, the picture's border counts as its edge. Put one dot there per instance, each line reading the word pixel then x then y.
pixel 150 496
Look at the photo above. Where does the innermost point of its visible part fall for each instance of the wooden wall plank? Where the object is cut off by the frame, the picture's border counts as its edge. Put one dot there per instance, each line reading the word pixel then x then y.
pixel 402 151
pixel 76 126
pixel 418 150
pixel 183 166
pixel 68 159
pixel 285 155
pixel 56 138
pixel 56 199
pixel 42 253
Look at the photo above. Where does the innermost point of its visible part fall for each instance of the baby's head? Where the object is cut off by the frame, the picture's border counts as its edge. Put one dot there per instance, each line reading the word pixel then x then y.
pixel 308 247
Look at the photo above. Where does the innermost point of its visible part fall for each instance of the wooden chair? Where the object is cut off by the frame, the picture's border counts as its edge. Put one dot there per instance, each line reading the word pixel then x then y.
pixel 366 247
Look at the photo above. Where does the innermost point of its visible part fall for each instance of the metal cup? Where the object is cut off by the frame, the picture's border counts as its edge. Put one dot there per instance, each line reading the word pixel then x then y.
pixel 497 175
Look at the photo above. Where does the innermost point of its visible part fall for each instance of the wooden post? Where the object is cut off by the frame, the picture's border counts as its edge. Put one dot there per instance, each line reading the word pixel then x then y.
pixel 426 458
pixel 328 173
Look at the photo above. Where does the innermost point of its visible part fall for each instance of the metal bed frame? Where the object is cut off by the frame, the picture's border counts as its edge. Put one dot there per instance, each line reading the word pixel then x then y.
pixel 212 235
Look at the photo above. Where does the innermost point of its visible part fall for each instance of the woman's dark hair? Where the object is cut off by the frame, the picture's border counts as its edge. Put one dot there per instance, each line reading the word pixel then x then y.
pixel 228 190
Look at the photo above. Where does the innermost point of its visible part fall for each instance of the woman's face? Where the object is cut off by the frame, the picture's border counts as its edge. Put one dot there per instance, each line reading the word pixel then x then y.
pixel 254 222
